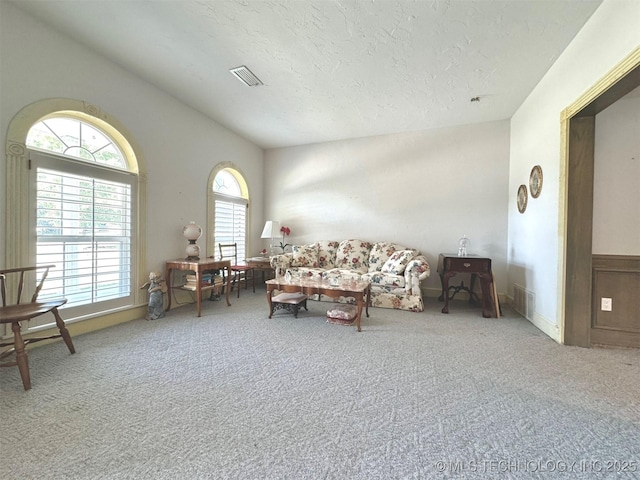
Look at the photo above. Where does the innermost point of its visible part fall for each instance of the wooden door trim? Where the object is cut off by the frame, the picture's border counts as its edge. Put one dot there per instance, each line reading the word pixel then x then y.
pixel 574 299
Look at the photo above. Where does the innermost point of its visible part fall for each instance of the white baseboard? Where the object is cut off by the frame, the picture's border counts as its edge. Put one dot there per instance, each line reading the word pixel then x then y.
pixel 543 324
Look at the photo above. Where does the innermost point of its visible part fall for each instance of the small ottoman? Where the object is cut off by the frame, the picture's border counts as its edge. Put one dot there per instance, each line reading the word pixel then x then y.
pixel 342 314
pixel 289 301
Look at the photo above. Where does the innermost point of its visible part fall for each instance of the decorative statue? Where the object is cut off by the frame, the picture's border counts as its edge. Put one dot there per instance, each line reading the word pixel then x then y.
pixel 157 288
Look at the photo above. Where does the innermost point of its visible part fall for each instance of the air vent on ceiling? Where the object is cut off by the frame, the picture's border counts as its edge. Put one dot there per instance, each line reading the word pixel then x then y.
pixel 246 76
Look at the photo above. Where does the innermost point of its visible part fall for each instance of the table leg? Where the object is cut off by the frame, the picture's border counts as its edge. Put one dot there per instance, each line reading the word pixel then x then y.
pixel 270 303
pixel 199 291
pixel 168 278
pixel 445 288
pixel 359 315
pixel 485 284
pixel 368 299
pixel 228 285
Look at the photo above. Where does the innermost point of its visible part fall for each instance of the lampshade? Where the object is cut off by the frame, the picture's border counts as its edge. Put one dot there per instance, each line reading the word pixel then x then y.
pixel 271 229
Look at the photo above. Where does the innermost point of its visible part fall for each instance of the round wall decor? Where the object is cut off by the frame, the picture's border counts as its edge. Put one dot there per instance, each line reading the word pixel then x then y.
pixel 522 198
pixel 535 181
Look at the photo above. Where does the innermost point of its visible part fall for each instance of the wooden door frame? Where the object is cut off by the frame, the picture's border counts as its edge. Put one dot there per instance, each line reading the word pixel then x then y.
pixel 576 193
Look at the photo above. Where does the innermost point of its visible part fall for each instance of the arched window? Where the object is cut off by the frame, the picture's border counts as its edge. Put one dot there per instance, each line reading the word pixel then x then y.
pixel 230 210
pixel 76 139
pixel 84 195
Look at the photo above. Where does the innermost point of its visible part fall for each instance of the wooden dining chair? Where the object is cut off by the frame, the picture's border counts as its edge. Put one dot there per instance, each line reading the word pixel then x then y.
pixel 18 280
pixel 229 251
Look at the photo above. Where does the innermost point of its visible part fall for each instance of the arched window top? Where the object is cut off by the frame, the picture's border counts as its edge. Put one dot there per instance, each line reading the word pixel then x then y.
pixel 76 139
pixel 227 184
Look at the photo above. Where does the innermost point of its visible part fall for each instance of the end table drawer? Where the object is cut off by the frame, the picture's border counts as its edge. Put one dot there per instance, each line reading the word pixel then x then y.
pixel 466 264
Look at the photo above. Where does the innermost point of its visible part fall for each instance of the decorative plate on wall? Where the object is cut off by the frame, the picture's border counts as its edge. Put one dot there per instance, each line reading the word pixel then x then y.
pixel 535 181
pixel 522 198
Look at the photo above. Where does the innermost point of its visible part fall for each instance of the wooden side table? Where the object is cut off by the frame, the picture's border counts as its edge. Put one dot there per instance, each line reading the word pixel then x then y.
pixel 262 264
pixel 199 267
pixel 450 264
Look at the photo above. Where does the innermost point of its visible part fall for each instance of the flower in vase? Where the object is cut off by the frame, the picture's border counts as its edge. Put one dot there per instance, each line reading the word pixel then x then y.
pixel 285 231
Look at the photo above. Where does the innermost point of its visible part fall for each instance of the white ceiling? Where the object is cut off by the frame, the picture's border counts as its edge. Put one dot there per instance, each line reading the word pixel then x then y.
pixel 331 69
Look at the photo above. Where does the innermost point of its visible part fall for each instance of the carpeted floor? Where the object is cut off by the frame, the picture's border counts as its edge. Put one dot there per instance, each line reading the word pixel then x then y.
pixel 234 395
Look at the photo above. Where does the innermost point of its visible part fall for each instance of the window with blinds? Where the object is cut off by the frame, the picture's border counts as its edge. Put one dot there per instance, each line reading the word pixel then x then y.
pixel 230 212
pixel 231 223
pixel 83 226
pixel 83 216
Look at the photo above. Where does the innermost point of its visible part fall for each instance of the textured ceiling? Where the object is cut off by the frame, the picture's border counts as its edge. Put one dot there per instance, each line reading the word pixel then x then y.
pixel 331 69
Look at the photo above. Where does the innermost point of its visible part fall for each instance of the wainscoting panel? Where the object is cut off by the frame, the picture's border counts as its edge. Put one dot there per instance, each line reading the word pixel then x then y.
pixel 616 277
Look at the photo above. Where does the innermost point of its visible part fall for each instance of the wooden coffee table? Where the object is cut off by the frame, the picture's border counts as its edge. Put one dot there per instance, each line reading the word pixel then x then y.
pixel 359 290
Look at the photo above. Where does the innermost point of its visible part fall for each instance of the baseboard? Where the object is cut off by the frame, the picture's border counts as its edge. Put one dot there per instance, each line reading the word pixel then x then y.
pixel 93 324
pixel 543 324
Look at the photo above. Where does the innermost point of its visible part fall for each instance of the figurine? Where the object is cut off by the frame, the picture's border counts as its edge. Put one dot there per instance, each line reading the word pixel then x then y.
pixel 157 288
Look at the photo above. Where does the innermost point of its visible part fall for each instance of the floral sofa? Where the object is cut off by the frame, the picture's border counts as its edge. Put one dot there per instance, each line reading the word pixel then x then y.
pixel 394 271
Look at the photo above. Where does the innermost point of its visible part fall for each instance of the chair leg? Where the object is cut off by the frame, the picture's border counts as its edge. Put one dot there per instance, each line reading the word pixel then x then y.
pixel 63 331
pixel 21 356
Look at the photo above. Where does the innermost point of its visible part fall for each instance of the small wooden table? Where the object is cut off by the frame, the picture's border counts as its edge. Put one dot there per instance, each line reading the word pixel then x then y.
pixel 262 264
pixel 359 290
pixel 199 267
pixel 450 264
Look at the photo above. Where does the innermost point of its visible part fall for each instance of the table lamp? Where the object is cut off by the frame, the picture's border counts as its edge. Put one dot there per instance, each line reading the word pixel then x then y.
pixel 192 232
pixel 271 230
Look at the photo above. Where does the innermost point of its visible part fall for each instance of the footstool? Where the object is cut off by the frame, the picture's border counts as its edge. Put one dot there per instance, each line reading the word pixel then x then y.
pixel 342 314
pixel 289 301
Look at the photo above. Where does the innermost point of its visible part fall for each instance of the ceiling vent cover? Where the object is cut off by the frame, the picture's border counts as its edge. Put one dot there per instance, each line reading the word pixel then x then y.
pixel 246 76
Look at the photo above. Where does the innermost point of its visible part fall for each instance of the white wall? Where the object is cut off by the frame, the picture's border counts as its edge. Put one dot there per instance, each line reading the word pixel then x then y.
pixel 535 237
pixel 180 146
pixel 616 202
pixel 423 190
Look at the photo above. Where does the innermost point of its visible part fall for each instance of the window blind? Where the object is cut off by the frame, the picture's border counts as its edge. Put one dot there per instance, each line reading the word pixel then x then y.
pixel 231 223
pixel 83 226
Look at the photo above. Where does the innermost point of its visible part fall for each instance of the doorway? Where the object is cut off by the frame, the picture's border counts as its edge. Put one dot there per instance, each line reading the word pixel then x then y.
pixel 578 135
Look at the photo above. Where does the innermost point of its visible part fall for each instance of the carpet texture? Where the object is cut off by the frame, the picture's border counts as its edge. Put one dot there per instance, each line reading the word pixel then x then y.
pixel 234 395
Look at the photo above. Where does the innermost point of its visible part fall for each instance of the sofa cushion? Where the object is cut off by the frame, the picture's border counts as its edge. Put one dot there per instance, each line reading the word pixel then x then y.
pixel 353 255
pixel 327 253
pixel 305 256
pixel 309 272
pixel 342 274
pixel 380 253
pixel 385 279
pixel 398 262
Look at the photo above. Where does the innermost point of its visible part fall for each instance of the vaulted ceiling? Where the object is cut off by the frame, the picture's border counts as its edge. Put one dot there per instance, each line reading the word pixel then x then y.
pixel 331 69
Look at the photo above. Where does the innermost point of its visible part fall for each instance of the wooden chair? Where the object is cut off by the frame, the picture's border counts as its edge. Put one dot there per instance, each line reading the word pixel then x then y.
pixel 15 313
pixel 229 251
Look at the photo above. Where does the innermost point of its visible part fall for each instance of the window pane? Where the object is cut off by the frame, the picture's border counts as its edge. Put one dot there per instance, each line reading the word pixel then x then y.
pixel 76 139
pixel 83 226
pixel 226 184
pixel 230 224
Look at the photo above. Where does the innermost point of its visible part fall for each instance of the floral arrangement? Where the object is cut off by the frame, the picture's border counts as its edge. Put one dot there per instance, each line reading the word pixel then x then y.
pixel 285 231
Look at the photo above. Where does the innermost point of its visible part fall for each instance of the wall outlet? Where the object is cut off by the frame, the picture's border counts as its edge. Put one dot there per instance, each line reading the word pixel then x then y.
pixel 606 304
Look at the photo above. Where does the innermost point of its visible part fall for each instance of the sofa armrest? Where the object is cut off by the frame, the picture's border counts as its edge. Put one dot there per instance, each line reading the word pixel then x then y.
pixel 281 262
pixel 417 269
